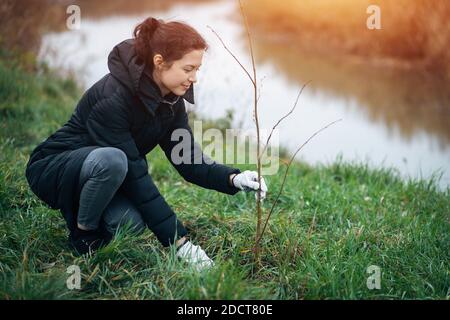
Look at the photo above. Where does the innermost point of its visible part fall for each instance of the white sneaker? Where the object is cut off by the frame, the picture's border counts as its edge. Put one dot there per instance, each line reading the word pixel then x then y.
pixel 195 256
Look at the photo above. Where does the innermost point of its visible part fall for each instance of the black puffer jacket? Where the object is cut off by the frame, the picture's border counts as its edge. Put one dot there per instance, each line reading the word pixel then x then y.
pixel 123 110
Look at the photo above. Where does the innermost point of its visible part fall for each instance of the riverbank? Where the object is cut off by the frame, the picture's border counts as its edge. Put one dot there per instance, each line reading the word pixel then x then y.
pixel 413 36
pixel 331 223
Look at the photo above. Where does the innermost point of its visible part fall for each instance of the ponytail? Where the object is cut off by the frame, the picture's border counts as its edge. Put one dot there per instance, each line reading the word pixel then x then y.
pixel 143 34
pixel 172 40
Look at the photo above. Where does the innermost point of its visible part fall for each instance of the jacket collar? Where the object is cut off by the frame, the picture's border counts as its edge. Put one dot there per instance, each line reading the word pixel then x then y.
pixel 150 93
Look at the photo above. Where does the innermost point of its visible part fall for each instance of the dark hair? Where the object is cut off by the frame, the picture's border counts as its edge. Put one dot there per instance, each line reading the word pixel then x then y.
pixel 170 39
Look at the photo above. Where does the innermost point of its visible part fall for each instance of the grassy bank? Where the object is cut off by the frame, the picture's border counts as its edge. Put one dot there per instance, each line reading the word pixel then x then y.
pixel 331 224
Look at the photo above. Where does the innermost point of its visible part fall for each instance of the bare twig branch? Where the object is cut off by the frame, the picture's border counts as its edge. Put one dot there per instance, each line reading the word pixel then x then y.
pixel 229 51
pixel 285 175
pixel 284 117
pixel 259 91
pixel 249 40
pixel 258 145
pixel 259 231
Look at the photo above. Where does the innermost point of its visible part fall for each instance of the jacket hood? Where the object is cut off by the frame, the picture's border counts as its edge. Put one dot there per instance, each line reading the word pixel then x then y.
pixel 124 65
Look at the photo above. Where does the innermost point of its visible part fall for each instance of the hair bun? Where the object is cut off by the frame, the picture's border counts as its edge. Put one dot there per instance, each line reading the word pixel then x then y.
pixel 151 24
pixel 170 39
pixel 155 22
pixel 147 28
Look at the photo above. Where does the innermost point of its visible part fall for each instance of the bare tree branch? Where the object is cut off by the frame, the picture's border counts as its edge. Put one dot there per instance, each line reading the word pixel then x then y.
pixel 258 145
pixel 229 51
pixel 285 175
pixel 279 121
pixel 249 40
pixel 259 231
pixel 259 91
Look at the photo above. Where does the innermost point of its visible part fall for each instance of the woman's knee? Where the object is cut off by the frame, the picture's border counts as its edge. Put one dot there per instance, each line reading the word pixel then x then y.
pixel 113 161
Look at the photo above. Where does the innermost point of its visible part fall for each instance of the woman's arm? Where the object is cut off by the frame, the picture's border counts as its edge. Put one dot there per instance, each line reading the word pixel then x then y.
pixel 201 171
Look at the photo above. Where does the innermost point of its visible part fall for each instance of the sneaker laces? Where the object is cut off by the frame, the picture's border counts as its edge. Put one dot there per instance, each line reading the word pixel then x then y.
pixel 195 256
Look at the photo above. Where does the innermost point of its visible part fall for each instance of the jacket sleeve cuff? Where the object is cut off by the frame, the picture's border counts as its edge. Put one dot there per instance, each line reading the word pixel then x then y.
pixel 227 187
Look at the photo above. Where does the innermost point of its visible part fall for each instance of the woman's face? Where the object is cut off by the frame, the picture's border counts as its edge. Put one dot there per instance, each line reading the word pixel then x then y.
pixel 180 75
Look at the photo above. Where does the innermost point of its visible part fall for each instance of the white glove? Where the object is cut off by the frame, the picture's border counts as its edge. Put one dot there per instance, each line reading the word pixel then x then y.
pixel 248 181
pixel 195 256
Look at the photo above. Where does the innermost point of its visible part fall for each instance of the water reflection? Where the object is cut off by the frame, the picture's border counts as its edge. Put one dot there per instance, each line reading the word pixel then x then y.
pixel 410 100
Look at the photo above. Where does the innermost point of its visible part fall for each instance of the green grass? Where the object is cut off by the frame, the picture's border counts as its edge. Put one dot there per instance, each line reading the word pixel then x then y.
pixel 331 223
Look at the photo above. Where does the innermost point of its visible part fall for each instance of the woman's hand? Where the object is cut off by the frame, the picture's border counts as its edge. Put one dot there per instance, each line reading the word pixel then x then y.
pixel 248 181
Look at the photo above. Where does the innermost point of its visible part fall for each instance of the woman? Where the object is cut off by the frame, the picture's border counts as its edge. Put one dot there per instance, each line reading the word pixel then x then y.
pixel 94 168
